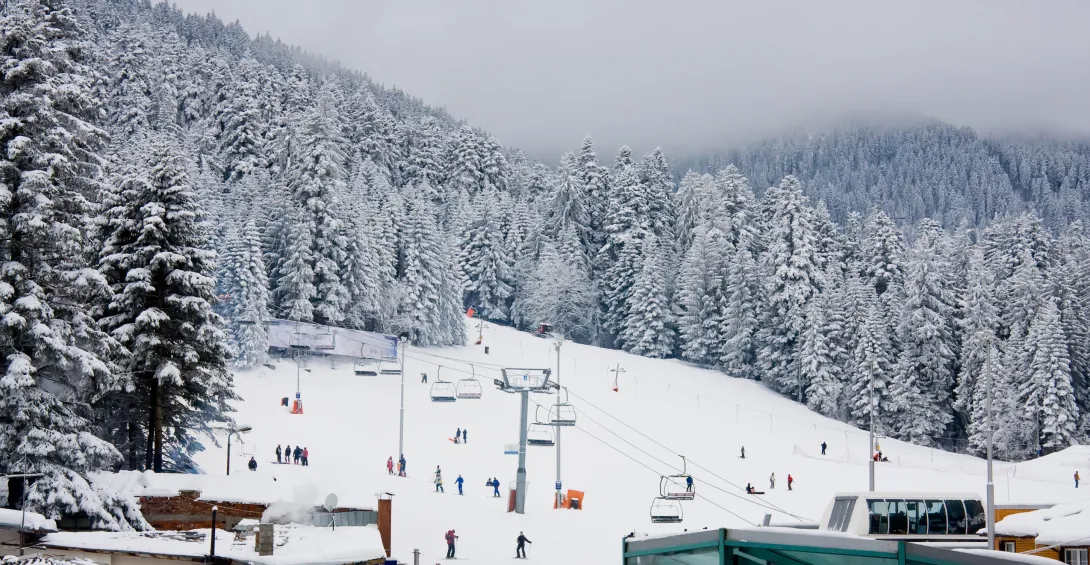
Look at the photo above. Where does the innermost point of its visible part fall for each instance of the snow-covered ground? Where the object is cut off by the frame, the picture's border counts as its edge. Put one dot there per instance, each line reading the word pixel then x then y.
pixel 350 428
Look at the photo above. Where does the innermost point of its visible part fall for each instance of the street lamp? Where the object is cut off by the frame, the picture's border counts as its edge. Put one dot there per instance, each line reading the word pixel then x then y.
pixel 401 428
pixel 234 430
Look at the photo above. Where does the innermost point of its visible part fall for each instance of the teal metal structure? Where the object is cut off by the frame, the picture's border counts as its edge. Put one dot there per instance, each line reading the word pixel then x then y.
pixel 768 546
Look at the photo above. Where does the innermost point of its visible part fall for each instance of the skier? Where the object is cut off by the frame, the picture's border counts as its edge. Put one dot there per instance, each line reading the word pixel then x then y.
pixel 424 378
pixel 772 480
pixel 439 483
pixel 402 463
pixel 253 467
pixel 459 482
pixel 306 457
pixel 520 549
pixel 1076 479
pixel 438 471
pixel 790 480
pixel 458 435
pixel 450 544
pixel 390 466
pixel 823 446
pixel 278 453
pixel 495 487
pixel 688 484
pixel 743 452
pixel 465 436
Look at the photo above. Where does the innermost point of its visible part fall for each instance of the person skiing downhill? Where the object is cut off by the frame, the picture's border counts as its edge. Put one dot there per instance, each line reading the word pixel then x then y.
pixel 278 453
pixel 520 549
pixel 390 465
pixel 450 537
pixel 459 482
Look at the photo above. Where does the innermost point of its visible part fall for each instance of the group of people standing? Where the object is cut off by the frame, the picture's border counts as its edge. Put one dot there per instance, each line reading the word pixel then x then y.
pixel 461 436
pixel 400 466
pixel 298 456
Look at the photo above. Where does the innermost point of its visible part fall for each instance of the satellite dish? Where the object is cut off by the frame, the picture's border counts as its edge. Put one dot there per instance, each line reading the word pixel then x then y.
pixel 331 502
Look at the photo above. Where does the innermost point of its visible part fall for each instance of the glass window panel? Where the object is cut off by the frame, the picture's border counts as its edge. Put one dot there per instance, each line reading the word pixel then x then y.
pixel 936 517
pixel 1075 556
pixel 917 516
pixel 836 516
pixel 898 518
pixel 1010 547
pixel 955 515
pixel 879 516
pixel 706 556
pixel 847 515
pixel 974 516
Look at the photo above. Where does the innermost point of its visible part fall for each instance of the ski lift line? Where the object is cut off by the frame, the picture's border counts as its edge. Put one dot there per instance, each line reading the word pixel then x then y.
pixel 695 464
pixel 749 500
pixel 430 354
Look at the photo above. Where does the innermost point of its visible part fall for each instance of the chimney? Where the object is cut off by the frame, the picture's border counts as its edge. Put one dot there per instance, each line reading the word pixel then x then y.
pixel 385 515
pixel 264 540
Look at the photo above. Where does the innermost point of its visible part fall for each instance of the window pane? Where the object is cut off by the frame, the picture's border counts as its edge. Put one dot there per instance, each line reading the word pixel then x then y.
pixel 898 518
pixel 836 516
pixel 1009 547
pixel 936 517
pixel 917 516
pixel 848 515
pixel 975 517
pixel 955 514
pixel 879 516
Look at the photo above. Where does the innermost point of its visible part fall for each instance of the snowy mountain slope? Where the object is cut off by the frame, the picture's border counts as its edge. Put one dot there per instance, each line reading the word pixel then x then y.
pixel 350 427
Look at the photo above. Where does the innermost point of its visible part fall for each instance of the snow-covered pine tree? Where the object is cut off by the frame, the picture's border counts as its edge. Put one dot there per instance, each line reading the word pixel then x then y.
pixel 658 185
pixel 869 384
pixel 699 282
pixel 295 289
pixel 691 204
pixel 593 179
pixel 627 225
pixel 422 273
pixel 648 327
pixel 883 252
pixel 568 205
pixel 162 312
pixel 792 276
pixel 252 303
pixel 1048 394
pixel 821 359
pixel 484 260
pixel 54 361
pixel 738 301
pixel 559 292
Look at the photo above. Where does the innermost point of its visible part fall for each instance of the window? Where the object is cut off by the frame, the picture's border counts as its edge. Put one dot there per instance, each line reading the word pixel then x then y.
pixel 898 518
pixel 1009 547
pixel 879 516
pixel 955 515
pixel 917 516
pixel 841 514
pixel 1075 556
pixel 936 517
pixel 974 515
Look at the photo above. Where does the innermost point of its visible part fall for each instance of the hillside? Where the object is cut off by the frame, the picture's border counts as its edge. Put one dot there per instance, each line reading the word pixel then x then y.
pixel 350 427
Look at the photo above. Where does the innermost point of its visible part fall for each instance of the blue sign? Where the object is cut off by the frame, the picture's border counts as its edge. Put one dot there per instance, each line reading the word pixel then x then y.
pixel 297 397
pixel 558 483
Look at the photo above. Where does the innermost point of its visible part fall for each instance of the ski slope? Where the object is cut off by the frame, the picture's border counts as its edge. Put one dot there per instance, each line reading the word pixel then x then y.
pixel 668 409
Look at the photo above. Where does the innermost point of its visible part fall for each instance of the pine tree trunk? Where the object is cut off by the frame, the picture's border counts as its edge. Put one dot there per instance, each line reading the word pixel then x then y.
pixel 158 411
pixel 133 462
pixel 153 400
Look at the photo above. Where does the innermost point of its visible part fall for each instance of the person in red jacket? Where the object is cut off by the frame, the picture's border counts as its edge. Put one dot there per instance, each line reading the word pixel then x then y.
pixel 306 454
pixel 790 480
pixel 390 465
pixel 450 537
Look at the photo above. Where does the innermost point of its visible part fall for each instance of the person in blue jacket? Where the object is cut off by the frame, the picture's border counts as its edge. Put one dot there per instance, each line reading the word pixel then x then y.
pixel 459 482
pixel 688 484
pixel 495 487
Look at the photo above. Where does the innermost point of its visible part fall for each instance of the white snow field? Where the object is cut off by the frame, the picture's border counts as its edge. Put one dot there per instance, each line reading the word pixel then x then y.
pixel 350 427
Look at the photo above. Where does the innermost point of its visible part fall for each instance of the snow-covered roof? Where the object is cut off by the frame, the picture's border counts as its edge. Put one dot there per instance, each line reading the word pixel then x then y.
pixel 13 520
pixel 1011 557
pixel 1063 524
pixel 246 487
pixel 295 544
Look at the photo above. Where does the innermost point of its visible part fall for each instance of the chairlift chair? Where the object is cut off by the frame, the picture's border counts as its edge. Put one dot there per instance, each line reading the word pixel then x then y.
pixel 325 341
pixel 443 391
pixel 365 368
pixel 563 413
pixel 665 511
pixel 300 341
pixel 469 388
pixel 540 432
pixel 389 367
pixel 676 487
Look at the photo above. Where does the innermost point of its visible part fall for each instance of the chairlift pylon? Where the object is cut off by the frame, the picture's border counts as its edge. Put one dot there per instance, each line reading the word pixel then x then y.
pixel 676 487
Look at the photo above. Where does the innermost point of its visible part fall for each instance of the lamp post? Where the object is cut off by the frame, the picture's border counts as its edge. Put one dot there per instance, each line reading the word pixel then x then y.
pixel 401 427
pixel 870 458
pixel 559 496
pixel 991 485
pixel 230 432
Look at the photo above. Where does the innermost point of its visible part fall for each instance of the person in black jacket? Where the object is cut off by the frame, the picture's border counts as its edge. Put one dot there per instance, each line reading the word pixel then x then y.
pixel 278 453
pixel 520 550
pixel 253 464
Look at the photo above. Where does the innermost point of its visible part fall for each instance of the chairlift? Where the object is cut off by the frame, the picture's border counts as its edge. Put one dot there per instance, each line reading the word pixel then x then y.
pixel 676 487
pixel 365 368
pixel 666 511
pixel 389 367
pixel 540 432
pixel 469 388
pixel 325 341
pixel 563 413
pixel 300 341
pixel 443 391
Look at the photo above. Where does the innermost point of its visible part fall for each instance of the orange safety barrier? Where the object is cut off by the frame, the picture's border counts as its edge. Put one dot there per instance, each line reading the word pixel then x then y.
pixel 297 406
pixel 572 500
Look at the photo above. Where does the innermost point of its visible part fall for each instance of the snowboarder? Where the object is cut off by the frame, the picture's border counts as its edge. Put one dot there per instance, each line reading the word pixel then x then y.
pixel 823 446
pixel 439 484
pixel 450 544
pixel 688 484
pixel 390 466
pixel 306 457
pixel 465 436
pixel 743 452
pixel 1076 479
pixel 520 549
pixel 458 435
pixel 278 453
pixel 253 467
pixel 749 488
pixel 772 480
pixel 790 480
pixel 459 482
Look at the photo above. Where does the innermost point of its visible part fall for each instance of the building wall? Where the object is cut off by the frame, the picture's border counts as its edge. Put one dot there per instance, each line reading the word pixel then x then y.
pixel 1049 553
pixel 1002 512
pixel 1021 545
pixel 185 512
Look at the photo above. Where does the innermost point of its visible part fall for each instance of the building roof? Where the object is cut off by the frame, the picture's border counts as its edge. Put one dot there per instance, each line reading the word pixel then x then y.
pixel 295 545
pixel 1063 524
pixel 13 520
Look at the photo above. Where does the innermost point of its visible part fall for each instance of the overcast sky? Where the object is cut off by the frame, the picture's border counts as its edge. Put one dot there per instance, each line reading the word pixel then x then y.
pixel 693 76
